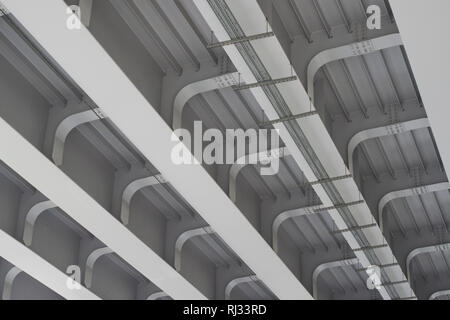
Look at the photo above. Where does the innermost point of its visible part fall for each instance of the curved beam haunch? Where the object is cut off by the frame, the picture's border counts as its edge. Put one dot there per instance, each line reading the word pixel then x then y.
pixel 328 158
pixel 66 126
pixel 347 51
pixel 389 130
pixel 8 284
pixel 282 217
pixel 192 89
pixel 414 253
pixel 329 265
pixel 131 190
pixel 250 280
pixel 158 295
pixel 92 258
pixel 262 157
pixel 438 294
pixel 407 193
pixel 31 217
pixel 183 238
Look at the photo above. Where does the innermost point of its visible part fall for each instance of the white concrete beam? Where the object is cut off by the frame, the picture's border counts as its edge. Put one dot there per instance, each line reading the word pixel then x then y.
pixel 271 54
pixel 111 90
pixel 35 266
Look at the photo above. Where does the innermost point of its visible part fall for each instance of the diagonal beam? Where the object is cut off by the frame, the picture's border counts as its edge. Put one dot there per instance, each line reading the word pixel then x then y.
pixel 317 160
pixel 391 196
pixel 35 266
pixel 36 60
pixel 139 122
pixel 34 167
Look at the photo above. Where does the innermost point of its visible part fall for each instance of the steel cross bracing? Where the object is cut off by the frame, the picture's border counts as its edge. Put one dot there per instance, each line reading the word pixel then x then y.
pixel 232 30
